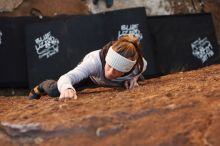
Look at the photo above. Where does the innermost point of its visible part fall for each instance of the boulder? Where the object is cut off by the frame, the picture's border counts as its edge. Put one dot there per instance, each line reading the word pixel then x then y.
pixel 9 5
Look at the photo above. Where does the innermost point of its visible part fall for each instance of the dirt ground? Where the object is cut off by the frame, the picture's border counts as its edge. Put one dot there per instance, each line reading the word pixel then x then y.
pixel 181 109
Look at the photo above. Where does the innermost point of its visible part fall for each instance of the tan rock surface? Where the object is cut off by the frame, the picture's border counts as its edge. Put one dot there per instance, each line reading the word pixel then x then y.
pixel 9 5
pixel 175 110
pixel 50 7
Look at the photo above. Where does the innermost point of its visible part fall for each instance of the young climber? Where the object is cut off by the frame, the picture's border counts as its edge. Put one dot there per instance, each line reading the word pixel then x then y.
pixel 120 63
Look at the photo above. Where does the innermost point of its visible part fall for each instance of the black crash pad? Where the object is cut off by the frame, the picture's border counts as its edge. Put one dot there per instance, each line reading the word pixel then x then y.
pixel 13 60
pixel 183 42
pixel 12 51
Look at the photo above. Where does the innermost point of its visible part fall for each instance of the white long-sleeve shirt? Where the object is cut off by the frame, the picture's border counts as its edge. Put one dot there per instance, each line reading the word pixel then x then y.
pixel 91 66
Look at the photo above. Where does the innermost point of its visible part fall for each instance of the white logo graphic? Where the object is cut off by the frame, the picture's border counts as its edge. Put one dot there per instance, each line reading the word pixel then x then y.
pixel 130 29
pixel 202 49
pixel 47 45
pixel 0 37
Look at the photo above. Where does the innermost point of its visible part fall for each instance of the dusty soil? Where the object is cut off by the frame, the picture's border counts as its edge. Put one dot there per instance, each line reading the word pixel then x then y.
pixel 181 109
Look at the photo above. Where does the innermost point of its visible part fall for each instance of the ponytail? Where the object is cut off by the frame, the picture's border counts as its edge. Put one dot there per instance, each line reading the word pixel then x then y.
pixel 127 46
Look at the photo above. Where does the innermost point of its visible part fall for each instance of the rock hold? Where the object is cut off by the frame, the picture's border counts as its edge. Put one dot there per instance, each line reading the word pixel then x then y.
pixel 108 130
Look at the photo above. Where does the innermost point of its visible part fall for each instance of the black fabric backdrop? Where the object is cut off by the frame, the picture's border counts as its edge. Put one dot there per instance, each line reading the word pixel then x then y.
pixel 13 58
pixel 12 51
pixel 173 38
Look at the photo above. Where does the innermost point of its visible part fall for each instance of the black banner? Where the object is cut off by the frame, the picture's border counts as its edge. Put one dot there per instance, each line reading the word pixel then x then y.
pixel 183 42
pixel 12 51
pixel 13 58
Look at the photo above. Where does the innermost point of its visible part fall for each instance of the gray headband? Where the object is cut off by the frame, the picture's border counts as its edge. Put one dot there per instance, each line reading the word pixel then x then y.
pixel 118 61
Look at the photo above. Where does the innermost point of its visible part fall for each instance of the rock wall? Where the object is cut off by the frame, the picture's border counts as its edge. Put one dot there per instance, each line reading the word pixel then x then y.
pixel 9 5
pixel 153 7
